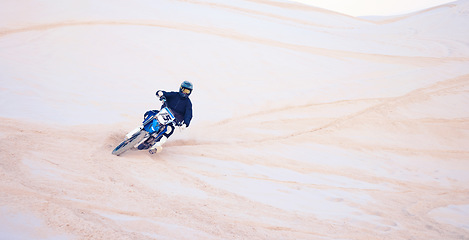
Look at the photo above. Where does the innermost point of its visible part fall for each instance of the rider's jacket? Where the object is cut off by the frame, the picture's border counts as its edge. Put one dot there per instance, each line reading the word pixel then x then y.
pixel 180 106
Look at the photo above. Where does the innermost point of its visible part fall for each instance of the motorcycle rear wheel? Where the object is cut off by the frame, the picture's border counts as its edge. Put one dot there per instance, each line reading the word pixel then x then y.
pixel 129 143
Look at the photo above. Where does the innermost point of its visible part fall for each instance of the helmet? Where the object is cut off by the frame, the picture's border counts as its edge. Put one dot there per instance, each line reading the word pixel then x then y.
pixel 186 89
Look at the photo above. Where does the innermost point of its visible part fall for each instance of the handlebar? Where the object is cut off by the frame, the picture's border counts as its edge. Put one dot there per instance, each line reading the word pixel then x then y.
pixel 163 99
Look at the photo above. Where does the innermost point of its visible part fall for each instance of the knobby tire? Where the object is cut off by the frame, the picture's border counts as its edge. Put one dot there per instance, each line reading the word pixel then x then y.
pixel 129 143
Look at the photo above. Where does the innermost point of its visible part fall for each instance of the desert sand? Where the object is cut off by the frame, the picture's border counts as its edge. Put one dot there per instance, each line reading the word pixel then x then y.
pixel 308 124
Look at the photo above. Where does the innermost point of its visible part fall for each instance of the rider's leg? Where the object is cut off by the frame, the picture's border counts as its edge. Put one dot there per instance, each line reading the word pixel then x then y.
pixel 157 146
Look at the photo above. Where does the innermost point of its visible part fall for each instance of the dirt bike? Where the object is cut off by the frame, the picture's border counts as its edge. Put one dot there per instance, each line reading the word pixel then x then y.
pixel 152 130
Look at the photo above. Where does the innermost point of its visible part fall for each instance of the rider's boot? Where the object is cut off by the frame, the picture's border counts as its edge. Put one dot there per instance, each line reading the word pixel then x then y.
pixel 131 133
pixel 157 147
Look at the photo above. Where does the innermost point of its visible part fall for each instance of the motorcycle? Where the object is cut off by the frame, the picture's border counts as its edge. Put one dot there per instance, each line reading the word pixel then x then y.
pixel 153 128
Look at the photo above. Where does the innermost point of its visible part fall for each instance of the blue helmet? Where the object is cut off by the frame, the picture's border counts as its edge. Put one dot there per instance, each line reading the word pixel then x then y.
pixel 186 89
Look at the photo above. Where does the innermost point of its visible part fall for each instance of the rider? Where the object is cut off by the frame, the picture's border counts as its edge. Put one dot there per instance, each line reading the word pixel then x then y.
pixel 181 106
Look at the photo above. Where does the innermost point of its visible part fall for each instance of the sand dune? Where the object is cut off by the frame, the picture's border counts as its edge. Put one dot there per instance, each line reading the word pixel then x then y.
pixel 308 124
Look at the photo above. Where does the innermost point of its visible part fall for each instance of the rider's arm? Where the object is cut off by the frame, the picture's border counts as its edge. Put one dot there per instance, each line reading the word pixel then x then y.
pixel 159 93
pixel 188 114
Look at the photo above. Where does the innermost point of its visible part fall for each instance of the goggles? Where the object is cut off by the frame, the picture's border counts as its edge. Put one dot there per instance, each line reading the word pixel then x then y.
pixel 185 90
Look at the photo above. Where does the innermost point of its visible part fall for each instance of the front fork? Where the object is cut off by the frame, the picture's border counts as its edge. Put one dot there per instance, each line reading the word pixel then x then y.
pixel 150 140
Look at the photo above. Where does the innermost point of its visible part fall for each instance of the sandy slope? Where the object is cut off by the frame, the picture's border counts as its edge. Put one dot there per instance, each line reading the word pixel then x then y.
pixel 308 124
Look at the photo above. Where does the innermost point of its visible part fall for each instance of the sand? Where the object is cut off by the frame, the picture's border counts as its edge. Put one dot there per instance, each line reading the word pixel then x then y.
pixel 308 124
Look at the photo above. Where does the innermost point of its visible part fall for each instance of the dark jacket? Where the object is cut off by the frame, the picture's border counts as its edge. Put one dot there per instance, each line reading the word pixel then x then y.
pixel 180 106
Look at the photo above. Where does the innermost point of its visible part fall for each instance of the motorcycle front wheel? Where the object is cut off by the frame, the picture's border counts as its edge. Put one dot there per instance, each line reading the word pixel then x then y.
pixel 129 143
